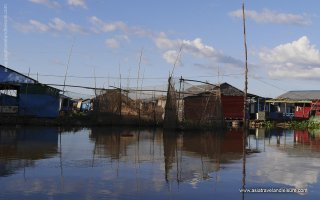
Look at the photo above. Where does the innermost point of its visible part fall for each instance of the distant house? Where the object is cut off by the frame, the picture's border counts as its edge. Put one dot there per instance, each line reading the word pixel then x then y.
pixel 114 101
pixel 296 104
pixel 24 96
pixel 204 100
pixel 71 101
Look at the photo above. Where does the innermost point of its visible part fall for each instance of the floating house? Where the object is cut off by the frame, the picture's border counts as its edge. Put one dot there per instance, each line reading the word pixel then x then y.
pixel 23 96
pixel 295 104
pixel 204 100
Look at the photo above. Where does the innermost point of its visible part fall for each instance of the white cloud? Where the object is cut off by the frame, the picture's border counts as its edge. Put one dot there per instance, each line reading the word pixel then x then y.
pixel 32 26
pixel 112 43
pixel 169 47
pixel 192 47
pixel 163 42
pixel 48 3
pixel 298 59
pixel 81 3
pixel 171 57
pixel 56 25
pixel 59 25
pixel 39 26
pixel 100 26
pixel 268 16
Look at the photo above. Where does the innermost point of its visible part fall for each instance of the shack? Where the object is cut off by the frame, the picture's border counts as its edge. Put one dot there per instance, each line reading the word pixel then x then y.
pixel 206 102
pixel 23 96
pixel 299 104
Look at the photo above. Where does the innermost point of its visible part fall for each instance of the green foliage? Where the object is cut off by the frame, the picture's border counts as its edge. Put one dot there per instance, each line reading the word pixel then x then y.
pixel 268 124
pixel 304 125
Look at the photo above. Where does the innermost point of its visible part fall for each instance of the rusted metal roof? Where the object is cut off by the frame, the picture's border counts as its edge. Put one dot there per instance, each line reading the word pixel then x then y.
pixel 300 95
pixel 226 89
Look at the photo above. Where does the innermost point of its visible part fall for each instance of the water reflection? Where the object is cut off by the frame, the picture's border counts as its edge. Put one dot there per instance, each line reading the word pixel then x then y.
pixel 290 158
pixel 188 157
pixel 191 157
pixel 20 148
pixel 119 163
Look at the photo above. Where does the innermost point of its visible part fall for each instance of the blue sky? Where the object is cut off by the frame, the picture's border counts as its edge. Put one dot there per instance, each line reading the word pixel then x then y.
pixel 108 36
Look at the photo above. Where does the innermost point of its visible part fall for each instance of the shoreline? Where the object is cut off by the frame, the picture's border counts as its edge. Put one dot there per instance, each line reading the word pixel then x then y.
pixel 133 121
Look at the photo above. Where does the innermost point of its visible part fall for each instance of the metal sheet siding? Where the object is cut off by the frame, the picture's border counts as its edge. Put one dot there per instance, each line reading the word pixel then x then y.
pixel 39 105
pixel 197 107
pixel 232 107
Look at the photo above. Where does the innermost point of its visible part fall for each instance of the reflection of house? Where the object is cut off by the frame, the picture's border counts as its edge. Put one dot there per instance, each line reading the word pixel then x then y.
pixel 118 143
pixel 194 156
pixel 298 104
pixel 306 138
pixel 22 95
pixel 21 147
pixel 190 157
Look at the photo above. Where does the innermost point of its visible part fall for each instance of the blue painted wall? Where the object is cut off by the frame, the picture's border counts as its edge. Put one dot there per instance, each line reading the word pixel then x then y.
pixel 6 100
pixel 39 105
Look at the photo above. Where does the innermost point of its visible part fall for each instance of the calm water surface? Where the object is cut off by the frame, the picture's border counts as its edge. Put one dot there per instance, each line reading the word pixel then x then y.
pixel 118 163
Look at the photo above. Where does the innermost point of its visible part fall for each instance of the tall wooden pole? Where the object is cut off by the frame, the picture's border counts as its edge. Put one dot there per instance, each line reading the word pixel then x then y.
pixel 245 107
pixel 67 67
pixel 138 106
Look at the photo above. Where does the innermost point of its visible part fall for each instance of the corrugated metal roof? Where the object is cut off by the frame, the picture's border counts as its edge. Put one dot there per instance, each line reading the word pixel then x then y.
pixel 226 89
pixel 301 95
pixel 8 75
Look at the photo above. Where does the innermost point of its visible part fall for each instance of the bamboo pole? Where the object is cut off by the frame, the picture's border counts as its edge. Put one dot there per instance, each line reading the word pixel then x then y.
pixel 154 109
pixel 67 67
pixel 245 107
pixel 245 121
pixel 139 66
pixel 177 59
pixel 95 81
pixel 120 92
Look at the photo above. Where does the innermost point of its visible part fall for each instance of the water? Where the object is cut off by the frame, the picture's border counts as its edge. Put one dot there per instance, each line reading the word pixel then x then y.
pixel 120 163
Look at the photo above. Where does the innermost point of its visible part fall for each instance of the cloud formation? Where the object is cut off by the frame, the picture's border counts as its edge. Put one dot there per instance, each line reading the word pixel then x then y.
pixel 48 3
pixel 169 47
pixel 112 43
pixel 193 47
pixel 100 26
pixel 55 25
pixel 297 59
pixel 81 3
pixel 269 16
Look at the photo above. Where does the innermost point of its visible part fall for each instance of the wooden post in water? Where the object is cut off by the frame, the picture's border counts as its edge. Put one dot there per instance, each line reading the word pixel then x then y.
pixel 245 107
pixel 245 121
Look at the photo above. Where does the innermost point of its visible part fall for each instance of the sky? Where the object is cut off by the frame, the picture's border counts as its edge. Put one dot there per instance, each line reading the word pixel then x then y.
pixel 100 41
